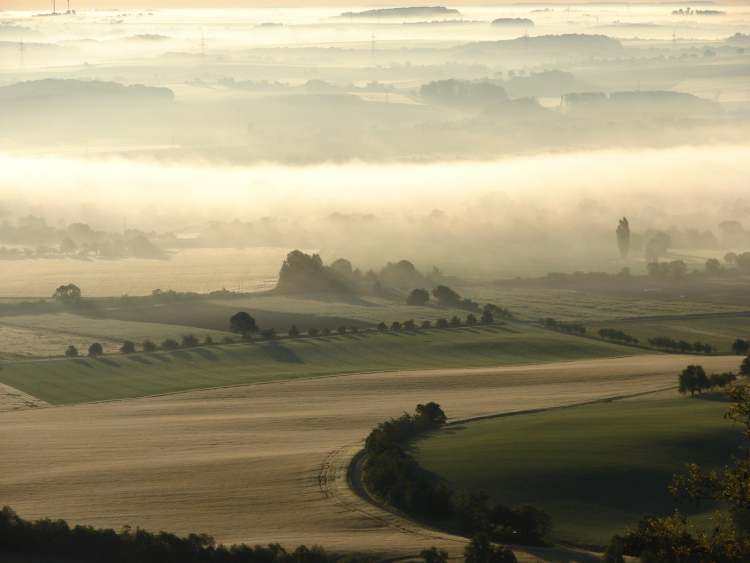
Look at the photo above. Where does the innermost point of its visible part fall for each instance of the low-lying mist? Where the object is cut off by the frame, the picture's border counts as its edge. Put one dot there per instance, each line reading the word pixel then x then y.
pixel 506 217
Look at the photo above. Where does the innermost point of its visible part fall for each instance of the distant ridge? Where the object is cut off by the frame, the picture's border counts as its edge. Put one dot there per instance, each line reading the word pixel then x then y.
pixel 410 12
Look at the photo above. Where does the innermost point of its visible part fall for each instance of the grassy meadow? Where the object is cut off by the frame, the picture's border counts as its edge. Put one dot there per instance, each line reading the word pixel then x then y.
pixel 594 468
pixel 60 381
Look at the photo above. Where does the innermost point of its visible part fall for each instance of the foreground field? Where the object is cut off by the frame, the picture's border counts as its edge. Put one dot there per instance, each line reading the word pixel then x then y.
pixel 594 468
pixel 62 381
pixel 264 463
pixel 720 331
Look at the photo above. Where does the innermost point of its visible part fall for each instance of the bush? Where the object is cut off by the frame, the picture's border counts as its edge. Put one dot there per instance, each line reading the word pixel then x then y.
pixel 487 317
pixel 148 346
pixel 71 351
pixel 441 323
pixel 471 320
pixel 268 333
pixel 227 340
pixel 410 325
pixel 354 330
pixel 127 347
pixel 382 326
pixel 293 331
pixel 96 350
pixel 189 341
pixel 395 326
pixel 208 340
pixel 455 321
pixel 426 324
pixel 418 297
pixel 170 344
pixel 326 331
pixel 313 331
pixel 614 334
pixel 481 550
pixel 341 330
pixel 745 366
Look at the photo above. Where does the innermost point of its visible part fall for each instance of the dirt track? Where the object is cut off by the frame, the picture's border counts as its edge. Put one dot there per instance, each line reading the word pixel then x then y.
pixel 268 462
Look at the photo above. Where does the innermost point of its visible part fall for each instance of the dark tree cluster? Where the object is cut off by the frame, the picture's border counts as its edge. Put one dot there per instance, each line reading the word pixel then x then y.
pixel 667 343
pixel 741 346
pixel 447 297
pixel 693 379
pixel 560 326
pixel 393 474
pixel 56 540
pixel 620 336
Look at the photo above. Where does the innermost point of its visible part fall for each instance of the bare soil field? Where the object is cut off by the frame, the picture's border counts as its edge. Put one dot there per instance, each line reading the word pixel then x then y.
pixel 267 463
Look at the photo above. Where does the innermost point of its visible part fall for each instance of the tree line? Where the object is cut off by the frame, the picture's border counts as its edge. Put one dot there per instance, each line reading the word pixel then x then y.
pixel 693 379
pixel 395 476
pixel 615 334
pixel 667 343
pixel 560 326
pixel 57 540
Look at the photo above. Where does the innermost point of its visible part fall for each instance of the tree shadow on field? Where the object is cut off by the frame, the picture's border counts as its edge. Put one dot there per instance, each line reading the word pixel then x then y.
pixel 206 354
pixel 83 363
pixel 717 396
pixel 280 353
pixel 160 357
pixel 181 355
pixel 140 360
pixel 108 362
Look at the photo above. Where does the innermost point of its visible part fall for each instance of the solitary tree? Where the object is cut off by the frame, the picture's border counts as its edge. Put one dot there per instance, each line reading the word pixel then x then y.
pixel 189 340
pixel 127 347
pixel 242 323
pixel 455 321
pixel 170 344
pixel 382 326
pixel 426 324
pixel 418 297
pixel 409 324
pixel 745 366
pixel 396 326
pixel 96 350
pixel 148 346
pixel 693 380
pixel 741 346
pixel 69 293
pixel 623 237
pixel 471 319
pixel 293 331
pixel 71 351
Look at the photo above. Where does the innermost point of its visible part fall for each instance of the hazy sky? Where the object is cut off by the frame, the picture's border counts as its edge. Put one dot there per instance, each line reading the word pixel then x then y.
pixel 41 4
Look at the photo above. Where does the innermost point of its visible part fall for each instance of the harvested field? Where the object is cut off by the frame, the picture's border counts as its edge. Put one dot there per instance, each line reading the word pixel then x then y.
pixel 263 463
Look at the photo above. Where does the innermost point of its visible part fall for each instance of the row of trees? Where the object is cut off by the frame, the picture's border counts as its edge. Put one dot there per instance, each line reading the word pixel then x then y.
pixel 56 540
pixel 560 326
pixel 130 347
pixel 615 334
pixel 394 475
pixel 667 343
pixel 693 379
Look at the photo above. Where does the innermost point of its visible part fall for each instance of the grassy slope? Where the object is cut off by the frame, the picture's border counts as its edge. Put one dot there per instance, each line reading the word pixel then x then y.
pixel 112 377
pixel 594 468
pixel 719 331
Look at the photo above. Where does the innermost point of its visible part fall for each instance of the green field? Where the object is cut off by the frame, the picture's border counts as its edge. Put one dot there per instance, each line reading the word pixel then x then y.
pixel 718 331
pixel 589 306
pixel 118 376
pixel 594 468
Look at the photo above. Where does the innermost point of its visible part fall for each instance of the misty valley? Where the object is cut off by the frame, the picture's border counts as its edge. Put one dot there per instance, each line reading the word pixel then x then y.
pixel 353 284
